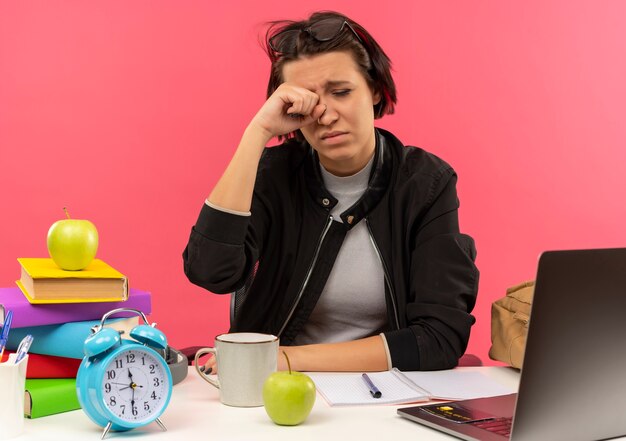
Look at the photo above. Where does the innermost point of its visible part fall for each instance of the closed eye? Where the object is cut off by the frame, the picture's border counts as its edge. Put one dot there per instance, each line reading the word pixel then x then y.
pixel 341 92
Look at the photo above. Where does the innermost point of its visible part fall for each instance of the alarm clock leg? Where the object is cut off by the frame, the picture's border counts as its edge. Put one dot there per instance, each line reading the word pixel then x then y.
pixel 106 429
pixel 161 425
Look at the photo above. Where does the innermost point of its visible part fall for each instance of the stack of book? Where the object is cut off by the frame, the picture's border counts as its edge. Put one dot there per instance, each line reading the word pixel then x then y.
pixel 59 308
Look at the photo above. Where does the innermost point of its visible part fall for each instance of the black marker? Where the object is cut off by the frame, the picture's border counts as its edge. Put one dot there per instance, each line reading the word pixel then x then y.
pixel 371 386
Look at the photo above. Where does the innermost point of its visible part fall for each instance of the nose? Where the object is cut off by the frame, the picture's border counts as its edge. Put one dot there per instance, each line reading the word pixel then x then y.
pixel 328 117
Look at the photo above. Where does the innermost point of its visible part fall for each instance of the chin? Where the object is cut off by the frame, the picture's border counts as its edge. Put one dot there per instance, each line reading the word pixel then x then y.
pixel 337 154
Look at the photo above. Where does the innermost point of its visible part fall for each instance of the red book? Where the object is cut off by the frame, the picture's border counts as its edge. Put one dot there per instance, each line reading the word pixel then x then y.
pixel 49 366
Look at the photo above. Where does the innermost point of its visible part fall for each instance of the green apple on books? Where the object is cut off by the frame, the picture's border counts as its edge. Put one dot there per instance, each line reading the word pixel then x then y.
pixel 72 243
pixel 71 274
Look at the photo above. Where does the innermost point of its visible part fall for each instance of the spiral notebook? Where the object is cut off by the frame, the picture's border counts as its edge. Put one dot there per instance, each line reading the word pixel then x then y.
pixel 397 387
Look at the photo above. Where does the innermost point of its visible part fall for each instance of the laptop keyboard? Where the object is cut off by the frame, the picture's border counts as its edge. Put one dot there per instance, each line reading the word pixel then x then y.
pixel 501 426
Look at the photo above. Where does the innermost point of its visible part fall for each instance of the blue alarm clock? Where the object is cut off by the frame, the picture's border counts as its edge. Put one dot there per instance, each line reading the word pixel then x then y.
pixel 124 384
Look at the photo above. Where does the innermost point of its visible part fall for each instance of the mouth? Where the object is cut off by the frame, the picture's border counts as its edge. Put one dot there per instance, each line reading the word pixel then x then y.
pixel 331 135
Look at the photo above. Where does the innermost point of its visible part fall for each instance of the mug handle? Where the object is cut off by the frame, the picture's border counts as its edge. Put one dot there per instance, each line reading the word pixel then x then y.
pixel 204 376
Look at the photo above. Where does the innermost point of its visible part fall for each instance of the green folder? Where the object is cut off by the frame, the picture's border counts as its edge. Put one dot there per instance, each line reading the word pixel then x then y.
pixel 48 396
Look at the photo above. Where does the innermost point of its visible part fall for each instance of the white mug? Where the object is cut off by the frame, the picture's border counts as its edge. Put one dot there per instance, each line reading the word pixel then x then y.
pixel 244 361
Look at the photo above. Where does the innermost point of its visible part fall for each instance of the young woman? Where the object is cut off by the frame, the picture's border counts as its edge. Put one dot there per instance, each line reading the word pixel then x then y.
pixel 345 241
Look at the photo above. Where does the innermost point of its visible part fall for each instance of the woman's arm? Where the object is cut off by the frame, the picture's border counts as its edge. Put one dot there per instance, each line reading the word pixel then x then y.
pixel 364 355
pixel 235 188
pixel 223 245
pixel 443 284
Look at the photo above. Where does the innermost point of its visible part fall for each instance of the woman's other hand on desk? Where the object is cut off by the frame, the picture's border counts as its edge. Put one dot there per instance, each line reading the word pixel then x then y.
pixel 364 355
pixel 210 367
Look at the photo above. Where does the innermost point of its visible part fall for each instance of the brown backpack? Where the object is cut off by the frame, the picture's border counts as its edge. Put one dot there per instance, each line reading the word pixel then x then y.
pixel 509 324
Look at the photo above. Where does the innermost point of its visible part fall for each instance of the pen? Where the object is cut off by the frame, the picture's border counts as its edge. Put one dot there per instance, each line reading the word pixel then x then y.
pixel 4 337
pixel 371 386
pixel 23 348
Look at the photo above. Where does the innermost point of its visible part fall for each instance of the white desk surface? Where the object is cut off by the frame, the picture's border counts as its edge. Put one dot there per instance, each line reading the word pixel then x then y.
pixel 195 411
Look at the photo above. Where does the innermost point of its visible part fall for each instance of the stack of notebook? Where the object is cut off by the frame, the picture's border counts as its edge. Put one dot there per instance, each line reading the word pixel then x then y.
pixel 59 308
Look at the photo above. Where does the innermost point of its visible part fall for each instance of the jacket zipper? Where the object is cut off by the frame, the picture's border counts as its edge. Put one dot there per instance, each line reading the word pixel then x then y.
pixel 389 287
pixel 308 274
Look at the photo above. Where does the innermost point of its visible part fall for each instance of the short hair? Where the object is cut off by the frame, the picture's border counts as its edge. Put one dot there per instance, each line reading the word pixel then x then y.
pixel 294 40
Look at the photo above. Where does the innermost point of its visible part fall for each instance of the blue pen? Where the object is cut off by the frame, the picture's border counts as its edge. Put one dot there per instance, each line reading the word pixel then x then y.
pixel 23 348
pixel 4 337
pixel 371 386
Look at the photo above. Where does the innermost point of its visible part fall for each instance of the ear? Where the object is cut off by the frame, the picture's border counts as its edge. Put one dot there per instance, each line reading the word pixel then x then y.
pixel 375 97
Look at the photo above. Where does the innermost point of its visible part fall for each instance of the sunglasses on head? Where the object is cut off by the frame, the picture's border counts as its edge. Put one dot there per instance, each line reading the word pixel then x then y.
pixel 324 30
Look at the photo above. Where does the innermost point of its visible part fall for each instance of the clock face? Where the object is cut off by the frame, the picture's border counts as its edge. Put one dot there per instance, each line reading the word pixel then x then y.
pixel 135 385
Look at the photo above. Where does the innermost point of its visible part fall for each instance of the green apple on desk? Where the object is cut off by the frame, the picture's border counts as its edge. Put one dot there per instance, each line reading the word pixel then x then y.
pixel 72 243
pixel 288 396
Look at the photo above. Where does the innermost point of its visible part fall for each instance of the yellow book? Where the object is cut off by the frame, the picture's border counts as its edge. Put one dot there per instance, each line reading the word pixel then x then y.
pixel 42 281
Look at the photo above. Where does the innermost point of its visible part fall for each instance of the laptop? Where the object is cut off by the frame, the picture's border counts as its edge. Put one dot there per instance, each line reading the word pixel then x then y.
pixel 573 380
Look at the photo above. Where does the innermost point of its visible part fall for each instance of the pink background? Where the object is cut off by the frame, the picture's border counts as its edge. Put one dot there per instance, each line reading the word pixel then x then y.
pixel 128 111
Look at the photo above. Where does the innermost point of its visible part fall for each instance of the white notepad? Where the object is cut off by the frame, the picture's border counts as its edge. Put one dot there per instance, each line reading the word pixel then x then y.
pixel 345 389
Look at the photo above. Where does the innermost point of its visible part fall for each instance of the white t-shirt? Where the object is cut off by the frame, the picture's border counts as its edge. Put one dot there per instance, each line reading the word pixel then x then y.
pixel 352 304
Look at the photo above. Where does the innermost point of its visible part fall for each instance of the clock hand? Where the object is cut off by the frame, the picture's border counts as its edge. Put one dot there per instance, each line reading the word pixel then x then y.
pixel 132 386
pixel 132 399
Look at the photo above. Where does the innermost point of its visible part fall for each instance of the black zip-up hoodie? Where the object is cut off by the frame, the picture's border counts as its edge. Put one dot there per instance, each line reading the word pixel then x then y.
pixel 290 242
